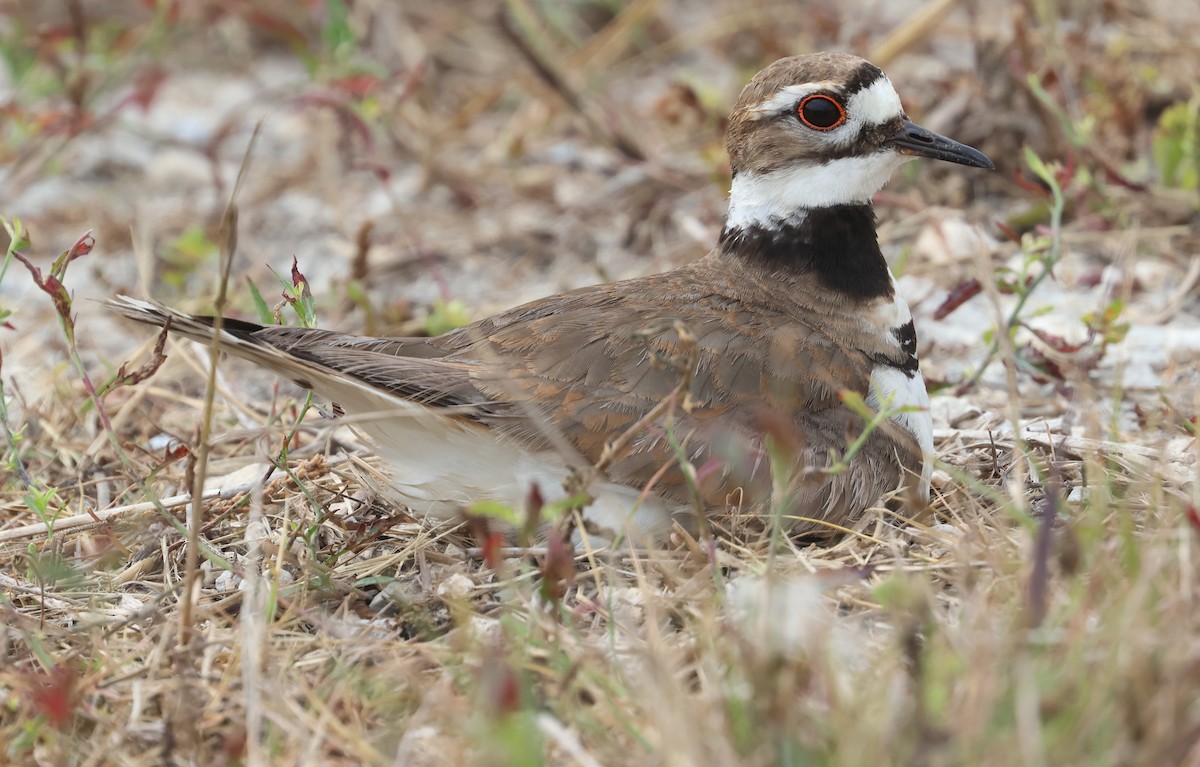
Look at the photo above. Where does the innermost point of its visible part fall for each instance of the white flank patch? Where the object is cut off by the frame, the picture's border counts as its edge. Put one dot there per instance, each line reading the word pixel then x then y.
pixel 890 313
pixel 765 199
pixel 892 388
pixel 440 465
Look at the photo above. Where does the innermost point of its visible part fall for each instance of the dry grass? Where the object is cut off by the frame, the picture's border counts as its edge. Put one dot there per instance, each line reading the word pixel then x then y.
pixel 1043 611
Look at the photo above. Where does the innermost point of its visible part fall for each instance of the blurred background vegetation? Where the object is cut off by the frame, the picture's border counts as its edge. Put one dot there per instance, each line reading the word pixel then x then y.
pixel 413 141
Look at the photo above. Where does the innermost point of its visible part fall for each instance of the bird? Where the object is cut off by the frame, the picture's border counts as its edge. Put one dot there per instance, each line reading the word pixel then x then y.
pixel 678 396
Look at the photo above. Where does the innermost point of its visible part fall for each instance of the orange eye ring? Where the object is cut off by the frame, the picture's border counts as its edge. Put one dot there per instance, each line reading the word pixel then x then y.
pixel 814 111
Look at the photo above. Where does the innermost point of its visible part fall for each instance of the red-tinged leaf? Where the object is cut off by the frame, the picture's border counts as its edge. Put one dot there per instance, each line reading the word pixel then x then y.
pixel 959 295
pixel 1091 277
pixel 1008 287
pixel 558 569
pixel 346 115
pixel 51 286
pixel 233 744
pixel 146 87
pixel 1193 517
pixel 533 512
pixel 62 299
pixel 298 278
pixel 34 272
pixel 1008 232
pixel 493 544
pixel 53 122
pixel 1115 176
pixel 414 79
pixel 276 26
pixel 356 86
pixel 1055 341
pixel 1033 185
pixel 534 500
pixel 80 248
pixel 490 541
pixel 80 121
pixel 508 693
pixel 1067 171
pixel 381 171
pixel 51 35
pixel 500 685
pixel 170 14
pixel 1050 370
pixel 126 378
pixel 54 696
pixel 7 326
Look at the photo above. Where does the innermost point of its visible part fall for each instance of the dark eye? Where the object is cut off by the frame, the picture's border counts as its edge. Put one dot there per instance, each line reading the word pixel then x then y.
pixel 821 112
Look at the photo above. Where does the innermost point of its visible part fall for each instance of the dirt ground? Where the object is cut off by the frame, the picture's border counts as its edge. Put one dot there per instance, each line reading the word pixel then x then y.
pixel 425 164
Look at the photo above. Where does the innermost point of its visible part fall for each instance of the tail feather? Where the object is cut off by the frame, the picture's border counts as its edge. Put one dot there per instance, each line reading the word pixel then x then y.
pixel 237 336
pixel 331 364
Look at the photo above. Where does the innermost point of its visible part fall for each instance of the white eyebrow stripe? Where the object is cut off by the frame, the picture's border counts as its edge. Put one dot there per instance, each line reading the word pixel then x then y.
pixel 788 96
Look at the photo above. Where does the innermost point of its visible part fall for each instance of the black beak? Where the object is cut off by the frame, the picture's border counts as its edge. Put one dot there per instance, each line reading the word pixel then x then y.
pixel 915 140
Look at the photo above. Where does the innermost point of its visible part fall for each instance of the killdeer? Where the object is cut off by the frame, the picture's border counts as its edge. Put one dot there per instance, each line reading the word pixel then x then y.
pixel 792 313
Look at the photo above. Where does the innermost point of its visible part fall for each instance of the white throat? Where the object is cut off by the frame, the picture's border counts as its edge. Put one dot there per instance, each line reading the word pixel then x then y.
pixel 785 195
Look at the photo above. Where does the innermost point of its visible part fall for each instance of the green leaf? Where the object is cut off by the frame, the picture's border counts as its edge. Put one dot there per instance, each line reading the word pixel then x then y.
pixel 355 293
pixel 338 36
pixel 1106 324
pixel 1043 172
pixel 1036 165
pixel 192 246
pixel 18 235
pixel 1176 145
pixel 374 580
pixel 446 316
pixel 855 402
pixel 495 510
pixel 265 315
pixel 552 512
